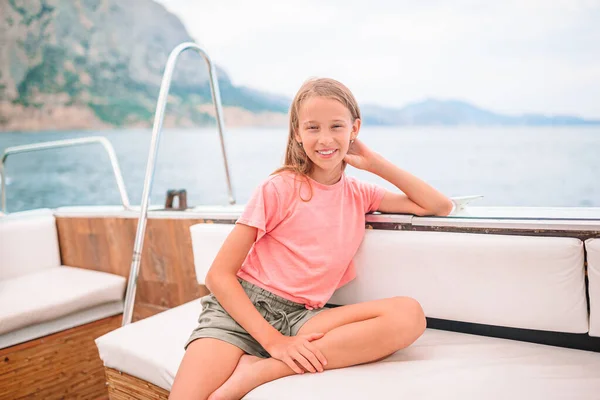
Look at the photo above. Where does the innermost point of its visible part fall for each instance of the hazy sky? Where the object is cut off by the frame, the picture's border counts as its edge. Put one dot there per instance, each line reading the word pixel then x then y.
pixel 510 56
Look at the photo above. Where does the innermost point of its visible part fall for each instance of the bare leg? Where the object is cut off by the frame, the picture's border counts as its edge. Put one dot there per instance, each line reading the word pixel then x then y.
pixel 355 334
pixel 207 363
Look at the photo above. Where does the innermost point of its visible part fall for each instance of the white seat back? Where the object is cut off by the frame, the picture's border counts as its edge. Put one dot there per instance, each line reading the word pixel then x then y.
pixel 592 247
pixel 28 243
pixel 513 281
pixel 207 240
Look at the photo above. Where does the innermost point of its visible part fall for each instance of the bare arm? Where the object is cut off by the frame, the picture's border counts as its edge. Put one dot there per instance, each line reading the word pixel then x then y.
pixel 222 281
pixel 420 198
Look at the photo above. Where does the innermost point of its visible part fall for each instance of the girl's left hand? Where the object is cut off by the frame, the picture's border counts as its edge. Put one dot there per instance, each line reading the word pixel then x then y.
pixel 360 156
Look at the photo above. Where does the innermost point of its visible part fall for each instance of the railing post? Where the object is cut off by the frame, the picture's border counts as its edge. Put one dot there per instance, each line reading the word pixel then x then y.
pixel 67 143
pixel 154 142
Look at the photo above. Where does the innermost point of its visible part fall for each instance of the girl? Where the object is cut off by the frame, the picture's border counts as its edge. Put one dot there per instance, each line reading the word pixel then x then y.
pixel 291 249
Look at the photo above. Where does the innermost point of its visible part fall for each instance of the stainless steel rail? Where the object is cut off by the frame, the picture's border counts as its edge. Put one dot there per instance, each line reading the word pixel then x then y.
pixel 67 143
pixel 156 131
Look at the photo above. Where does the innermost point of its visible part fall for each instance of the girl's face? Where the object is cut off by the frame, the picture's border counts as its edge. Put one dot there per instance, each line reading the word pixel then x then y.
pixel 325 129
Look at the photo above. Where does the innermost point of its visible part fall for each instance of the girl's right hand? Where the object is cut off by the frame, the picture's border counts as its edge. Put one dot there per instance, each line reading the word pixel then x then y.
pixel 298 349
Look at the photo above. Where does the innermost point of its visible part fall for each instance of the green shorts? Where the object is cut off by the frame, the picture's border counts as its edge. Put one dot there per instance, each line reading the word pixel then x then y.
pixel 284 315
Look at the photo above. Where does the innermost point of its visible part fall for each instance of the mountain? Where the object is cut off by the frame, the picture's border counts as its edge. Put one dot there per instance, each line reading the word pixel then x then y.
pixel 454 112
pixel 99 63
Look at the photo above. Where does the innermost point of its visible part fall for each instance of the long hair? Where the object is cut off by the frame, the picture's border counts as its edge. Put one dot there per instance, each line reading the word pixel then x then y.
pixel 296 160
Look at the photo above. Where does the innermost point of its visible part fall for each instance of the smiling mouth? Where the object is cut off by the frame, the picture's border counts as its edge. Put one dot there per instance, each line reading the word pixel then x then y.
pixel 326 152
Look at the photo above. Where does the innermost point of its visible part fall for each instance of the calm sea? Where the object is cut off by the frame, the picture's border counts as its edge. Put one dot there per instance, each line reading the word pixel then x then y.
pixel 509 166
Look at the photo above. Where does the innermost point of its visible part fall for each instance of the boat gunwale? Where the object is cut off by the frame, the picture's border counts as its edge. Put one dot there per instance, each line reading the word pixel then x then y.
pixel 229 214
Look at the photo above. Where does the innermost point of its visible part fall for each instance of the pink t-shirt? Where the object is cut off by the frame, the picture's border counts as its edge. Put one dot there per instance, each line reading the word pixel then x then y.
pixel 304 250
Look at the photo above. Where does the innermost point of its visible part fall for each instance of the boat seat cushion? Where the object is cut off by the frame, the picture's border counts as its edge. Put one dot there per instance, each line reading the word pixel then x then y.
pixel 438 365
pixel 592 247
pixel 504 280
pixel 53 293
pixel 28 243
pixel 514 281
pixel 72 320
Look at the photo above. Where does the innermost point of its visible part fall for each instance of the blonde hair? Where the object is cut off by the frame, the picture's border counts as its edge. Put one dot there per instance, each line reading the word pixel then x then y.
pixel 296 160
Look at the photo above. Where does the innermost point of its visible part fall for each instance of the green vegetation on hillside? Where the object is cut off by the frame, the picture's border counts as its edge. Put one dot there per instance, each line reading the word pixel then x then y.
pixel 87 55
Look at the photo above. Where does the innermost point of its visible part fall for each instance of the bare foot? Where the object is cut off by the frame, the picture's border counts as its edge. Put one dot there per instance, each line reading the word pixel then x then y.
pixel 240 382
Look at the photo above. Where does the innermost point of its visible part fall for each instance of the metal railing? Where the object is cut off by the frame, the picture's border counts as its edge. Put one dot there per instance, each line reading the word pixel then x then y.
pixel 156 131
pixel 66 143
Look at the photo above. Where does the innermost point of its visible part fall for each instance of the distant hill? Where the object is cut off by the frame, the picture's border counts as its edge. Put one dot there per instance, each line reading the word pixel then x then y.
pixel 99 63
pixel 454 112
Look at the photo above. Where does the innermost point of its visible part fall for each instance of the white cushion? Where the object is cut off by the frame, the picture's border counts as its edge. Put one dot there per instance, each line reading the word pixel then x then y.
pixel 151 349
pixel 207 240
pixel 60 324
pixel 449 365
pixel 592 247
pixel 438 365
pixel 513 281
pixel 53 293
pixel 28 243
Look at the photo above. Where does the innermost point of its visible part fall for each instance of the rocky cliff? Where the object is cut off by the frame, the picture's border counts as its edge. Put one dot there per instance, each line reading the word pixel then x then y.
pixel 68 64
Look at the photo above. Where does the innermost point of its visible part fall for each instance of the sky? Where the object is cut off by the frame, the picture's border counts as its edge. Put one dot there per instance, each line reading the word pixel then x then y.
pixel 511 56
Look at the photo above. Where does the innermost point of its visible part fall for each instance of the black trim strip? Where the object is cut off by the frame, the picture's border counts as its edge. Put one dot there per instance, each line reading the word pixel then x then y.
pixel 580 341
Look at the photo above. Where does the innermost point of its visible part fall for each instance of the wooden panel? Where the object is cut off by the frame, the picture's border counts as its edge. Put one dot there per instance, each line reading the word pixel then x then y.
pixel 146 310
pixel 167 276
pixel 63 365
pixel 122 386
